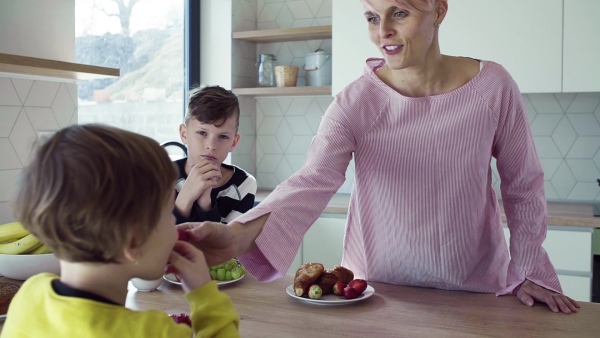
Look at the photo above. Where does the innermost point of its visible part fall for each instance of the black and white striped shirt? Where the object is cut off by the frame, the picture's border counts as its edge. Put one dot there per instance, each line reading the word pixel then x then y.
pixel 229 200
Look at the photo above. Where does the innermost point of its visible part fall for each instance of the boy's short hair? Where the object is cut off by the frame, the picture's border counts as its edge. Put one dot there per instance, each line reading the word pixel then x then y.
pixel 90 189
pixel 212 104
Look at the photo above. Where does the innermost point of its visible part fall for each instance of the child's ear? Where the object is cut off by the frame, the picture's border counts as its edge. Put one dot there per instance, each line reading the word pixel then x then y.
pixel 236 139
pixel 183 133
pixel 131 250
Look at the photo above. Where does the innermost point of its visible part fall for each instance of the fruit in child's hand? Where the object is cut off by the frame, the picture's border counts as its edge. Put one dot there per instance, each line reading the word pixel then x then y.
pixel 182 235
pixel 350 292
pixel 315 292
pixel 359 284
pixel 181 318
pixel 338 288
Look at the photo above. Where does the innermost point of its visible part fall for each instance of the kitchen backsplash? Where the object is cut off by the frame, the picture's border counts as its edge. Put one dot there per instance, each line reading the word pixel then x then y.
pixel 28 109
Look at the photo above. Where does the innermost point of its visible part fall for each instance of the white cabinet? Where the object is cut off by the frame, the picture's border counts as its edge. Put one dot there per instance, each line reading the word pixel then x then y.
pixel 523 36
pixel 581 46
pixel 324 241
pixel 570 251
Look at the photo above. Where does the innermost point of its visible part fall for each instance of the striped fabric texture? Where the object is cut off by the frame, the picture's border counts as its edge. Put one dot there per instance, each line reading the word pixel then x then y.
pixel 423 211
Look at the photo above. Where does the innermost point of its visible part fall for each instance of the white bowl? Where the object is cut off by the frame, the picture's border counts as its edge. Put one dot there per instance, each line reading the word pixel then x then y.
pixel 22 267
pixel 144 285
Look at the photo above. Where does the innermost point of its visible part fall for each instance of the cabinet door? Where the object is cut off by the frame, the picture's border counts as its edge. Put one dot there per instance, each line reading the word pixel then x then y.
pixel 324 241
pixel 350 44
pixel 581 46
pixel 523 36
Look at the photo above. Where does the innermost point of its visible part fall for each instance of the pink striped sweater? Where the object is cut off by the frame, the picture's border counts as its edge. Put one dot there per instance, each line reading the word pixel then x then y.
pixel 423 211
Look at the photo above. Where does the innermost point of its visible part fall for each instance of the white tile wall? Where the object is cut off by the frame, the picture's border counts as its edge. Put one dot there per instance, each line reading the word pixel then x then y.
pixel 566 127
pixel 28 108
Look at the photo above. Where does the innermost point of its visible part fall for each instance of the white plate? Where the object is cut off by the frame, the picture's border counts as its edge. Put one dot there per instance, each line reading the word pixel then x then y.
pixel 331 299
pixel 172 279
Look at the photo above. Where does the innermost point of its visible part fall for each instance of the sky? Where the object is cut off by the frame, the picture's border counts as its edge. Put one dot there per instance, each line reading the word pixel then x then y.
pixel 146 14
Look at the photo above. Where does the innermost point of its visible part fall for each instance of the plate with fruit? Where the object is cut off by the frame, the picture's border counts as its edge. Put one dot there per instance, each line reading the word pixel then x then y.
pixel 315 285
pixel 229 272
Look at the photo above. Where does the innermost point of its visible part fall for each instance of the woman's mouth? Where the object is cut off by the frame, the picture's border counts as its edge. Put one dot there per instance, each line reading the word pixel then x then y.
pixel 392 49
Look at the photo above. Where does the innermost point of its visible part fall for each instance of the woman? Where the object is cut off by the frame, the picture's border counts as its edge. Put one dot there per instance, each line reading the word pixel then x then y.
pixel 423 128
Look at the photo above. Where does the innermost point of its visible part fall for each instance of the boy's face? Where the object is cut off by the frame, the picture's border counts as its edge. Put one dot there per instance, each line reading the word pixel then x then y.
pixel 209 142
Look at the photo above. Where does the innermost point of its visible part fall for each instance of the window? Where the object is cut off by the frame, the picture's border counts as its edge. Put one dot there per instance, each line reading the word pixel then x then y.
pixel 145 39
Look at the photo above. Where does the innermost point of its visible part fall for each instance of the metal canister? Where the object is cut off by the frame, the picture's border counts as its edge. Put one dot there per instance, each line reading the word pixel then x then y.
pixel 266 70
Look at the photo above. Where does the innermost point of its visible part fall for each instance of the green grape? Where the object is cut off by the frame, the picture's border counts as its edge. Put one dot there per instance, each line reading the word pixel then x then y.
pixel 213 274
pixel 229 265
pixel 236 272
pixel 228 275
pixel 221 274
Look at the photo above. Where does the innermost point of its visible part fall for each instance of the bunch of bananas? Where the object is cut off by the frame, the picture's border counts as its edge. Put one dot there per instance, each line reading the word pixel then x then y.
pixel 16 240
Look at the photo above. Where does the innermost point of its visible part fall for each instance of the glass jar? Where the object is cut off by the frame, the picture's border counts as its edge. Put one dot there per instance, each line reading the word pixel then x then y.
pixel 266 70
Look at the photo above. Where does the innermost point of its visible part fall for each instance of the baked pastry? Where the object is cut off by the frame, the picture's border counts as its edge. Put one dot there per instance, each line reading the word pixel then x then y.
pixel 7 292
pixel 306 275
pixel 343 274
pixel 326 281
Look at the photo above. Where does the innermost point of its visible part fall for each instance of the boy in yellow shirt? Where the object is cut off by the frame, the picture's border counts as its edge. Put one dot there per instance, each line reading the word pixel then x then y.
pixel 102 199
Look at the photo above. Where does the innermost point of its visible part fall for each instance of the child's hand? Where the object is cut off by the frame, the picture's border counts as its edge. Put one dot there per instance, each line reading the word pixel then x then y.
pixel 189 265
pixel 203 176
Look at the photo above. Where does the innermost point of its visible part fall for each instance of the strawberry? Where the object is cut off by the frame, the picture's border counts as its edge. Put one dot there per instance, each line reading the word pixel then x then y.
pixel 359 284
pixel 182 235
pixel 350 292
pixel 338 288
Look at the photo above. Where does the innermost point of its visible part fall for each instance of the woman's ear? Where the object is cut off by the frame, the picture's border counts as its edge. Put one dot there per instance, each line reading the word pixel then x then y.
pixel 441 8
pixel 183 133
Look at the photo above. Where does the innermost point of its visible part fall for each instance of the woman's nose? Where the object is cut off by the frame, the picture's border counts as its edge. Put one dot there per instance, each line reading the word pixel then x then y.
pixel 386 29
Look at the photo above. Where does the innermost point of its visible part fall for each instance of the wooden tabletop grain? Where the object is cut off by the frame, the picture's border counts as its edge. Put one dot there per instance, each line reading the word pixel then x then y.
pixel 266 310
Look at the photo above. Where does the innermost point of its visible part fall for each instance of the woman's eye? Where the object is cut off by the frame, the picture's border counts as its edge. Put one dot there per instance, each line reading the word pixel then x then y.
pixel 373 20
pixel 400 14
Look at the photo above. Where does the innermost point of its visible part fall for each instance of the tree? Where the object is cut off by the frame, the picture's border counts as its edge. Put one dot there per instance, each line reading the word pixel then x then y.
pixel 124 13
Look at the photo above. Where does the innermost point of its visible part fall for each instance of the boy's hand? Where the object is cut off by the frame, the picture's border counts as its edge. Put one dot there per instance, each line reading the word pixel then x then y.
pixel 203 176
pixel 189 265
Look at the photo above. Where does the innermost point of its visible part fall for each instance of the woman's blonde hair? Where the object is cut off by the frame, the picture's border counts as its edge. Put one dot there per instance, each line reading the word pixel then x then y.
pixel 90 190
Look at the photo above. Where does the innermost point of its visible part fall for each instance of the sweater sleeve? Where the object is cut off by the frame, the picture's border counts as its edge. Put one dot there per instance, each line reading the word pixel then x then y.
pixel 197 215
pixel 212 312
pixel 522 188
pixel 297 202
pixel 247 191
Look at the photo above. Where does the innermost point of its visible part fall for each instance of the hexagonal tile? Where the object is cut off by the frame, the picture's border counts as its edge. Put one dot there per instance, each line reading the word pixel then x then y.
pixel 585 124
pixel 546 147
pixel 283 171
pixel 269 107
pixel 584 170
pixel 284 103
pixel 268 11
pixel 74 118
pixel 584 191
pixel 269 48
pixel 269 125
pixel 284 19
pixel 299 48
pixel 585 103
pixel 269 144
pixel 7 183
pixel 295 161
pixel 23 137
pixel 544 124
pixel 299 9
pixel 585 147
pixel 314 116
pixel 8 94
pixel 324 102
pixel 8 156
pixel 564 136
pixel 283 135
pixel 41 118
pixel 8 116
pixel 266 180
pixel 269 163
pixel 564 99
pixel 72 88
pixel 550 166
pixel 597 159
pixel 325 11
pixel 550 192
pixel 315 5
pixel 299 145
pixel 563 181
pixel 531 113
pixel 299 106
pixel 545 103
pixel 299 125
pixel 23 86
pixel 284 56
pixel 42 94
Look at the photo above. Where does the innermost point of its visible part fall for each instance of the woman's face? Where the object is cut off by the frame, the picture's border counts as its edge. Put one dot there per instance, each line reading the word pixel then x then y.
pixel 405 35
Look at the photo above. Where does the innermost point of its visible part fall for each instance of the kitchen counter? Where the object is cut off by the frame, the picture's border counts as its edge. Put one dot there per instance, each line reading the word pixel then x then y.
pixel 559 213
pixel 266 310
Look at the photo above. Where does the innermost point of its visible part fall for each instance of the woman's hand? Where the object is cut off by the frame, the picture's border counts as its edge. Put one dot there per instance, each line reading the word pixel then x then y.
pixel 530 292
pixel 189 265
pixel 216 240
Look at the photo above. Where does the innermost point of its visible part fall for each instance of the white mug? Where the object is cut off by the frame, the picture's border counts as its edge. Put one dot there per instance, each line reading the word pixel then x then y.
pixel 144 285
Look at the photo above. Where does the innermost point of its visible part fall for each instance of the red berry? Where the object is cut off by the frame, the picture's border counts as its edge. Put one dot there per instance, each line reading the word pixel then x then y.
pixel 350 292
pixel 182 235
pixel 359 284
pixel 338 288
pixel 181 318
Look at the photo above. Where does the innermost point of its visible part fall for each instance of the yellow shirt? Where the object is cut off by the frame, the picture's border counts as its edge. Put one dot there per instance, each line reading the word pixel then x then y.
pixel 38 311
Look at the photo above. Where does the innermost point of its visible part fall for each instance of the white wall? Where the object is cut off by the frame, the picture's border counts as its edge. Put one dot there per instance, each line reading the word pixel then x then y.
pixel 38 28
pixel 215 42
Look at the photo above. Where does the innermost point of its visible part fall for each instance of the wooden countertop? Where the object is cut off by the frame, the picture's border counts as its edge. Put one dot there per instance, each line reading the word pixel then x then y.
pixel 18 64
pixel 266 310
pixel 559 213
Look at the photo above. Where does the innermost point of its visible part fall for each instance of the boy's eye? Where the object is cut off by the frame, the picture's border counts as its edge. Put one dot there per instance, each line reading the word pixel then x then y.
pixel 225 137
pixel 203 133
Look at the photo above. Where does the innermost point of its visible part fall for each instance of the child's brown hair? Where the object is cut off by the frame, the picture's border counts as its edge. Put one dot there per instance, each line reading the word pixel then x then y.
pixel 90 190
pixel 212 104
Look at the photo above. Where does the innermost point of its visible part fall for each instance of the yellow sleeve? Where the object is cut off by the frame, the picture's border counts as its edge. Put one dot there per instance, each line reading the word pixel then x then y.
pixel 212 312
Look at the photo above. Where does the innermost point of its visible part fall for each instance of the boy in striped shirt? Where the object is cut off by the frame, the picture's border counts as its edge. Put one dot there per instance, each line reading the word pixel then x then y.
pixel 208 189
